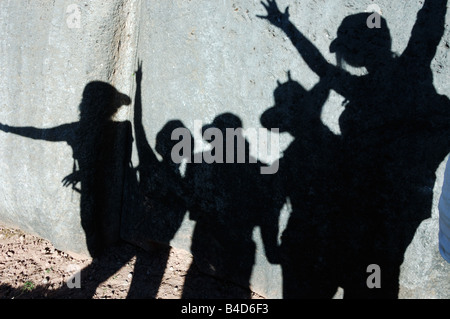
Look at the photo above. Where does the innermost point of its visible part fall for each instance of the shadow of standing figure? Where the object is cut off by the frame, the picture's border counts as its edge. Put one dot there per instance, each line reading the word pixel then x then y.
pixel 395 132
pixel 155 195
pixel 308 178
pixel 101 152
pixel 99 156
pixel 230 198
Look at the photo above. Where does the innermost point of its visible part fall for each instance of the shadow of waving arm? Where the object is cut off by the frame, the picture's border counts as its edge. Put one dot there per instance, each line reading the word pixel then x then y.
pixel 304 46
pixel 427 32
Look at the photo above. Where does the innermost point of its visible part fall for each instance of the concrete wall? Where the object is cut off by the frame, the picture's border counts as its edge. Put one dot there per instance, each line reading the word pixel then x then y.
pixel 50 52
pixel 200 59
pixel 203 58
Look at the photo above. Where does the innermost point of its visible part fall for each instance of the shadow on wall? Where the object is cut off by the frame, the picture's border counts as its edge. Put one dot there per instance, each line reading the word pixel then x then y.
pixel 357 198
pixel 360 197
pixel 101 153
pixel 99 158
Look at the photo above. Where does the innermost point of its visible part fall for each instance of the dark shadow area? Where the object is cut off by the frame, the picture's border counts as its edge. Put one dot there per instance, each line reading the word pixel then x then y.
pixel 395 134
pixel 227 201
pixel 309 178
pixel 154 192
pixel 230 199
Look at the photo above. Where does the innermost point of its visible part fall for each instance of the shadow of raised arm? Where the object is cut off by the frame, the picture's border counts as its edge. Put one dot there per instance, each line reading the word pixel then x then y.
pixel 147 157
pixel 427 32
pixel 304 46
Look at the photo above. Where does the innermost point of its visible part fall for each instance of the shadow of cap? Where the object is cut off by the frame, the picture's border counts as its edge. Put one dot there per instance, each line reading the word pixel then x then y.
pixel 102 100
pixel 288 98
pixel 355 33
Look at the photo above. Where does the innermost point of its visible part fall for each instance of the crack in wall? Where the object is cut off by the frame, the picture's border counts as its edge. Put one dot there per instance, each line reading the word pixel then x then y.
pixel 124 49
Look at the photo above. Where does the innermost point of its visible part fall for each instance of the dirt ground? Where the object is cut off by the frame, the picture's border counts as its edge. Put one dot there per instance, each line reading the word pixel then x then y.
pixel 31 268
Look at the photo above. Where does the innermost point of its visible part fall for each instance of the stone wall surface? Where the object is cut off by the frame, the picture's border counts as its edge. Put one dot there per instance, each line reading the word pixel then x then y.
pixel 50 52
pixel 201 59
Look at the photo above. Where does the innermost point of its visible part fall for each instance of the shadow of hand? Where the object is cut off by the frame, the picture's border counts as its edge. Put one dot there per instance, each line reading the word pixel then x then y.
pixel 72 179
pixel 5 128
pixel 139 72
pixel 274 15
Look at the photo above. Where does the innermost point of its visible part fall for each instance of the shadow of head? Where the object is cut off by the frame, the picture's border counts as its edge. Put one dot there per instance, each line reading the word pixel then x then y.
pixel 360 45
pixel 222 122
pixel 164 142
pixel 292 106
pixel 101 101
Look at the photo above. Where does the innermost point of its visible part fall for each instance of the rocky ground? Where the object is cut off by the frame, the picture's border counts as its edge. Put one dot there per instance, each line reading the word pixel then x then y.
pixel 31 268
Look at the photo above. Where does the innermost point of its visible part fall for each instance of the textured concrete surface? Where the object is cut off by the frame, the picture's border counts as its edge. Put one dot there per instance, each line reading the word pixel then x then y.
pixel 200 59
pixel 47 60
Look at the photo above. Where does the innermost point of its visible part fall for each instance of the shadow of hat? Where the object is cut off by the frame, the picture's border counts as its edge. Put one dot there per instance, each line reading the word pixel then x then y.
pixel 288 98
pixel 354 33
pixel 101 100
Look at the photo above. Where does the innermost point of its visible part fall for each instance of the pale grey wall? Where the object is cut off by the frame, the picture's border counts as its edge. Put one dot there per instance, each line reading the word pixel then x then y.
pixel 45 65
pixel 201 58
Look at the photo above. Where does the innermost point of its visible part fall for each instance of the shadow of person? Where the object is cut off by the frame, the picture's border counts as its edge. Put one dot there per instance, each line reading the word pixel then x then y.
pixel 308 178
pixel 395 132
pixel 101 151
pixel 230 199
pixel 97 142
pixel 156 198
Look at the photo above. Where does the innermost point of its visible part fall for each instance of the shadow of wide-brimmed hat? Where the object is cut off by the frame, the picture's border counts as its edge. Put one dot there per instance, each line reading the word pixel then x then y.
pixel 288 99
